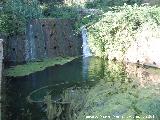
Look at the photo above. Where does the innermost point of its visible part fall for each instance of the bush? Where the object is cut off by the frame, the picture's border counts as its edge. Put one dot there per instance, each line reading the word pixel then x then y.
pixel 105 4
pixel 118 27
pixel 16 13
pixel 60 11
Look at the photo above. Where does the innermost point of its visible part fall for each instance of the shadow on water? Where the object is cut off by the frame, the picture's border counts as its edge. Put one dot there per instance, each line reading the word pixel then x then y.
pixel 79 71
pixel 115 89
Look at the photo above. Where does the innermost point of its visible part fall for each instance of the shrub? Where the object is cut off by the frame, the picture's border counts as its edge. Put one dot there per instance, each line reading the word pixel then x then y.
pixel 117 28
pixel 60 11
pixel 16 13
pixel 105 4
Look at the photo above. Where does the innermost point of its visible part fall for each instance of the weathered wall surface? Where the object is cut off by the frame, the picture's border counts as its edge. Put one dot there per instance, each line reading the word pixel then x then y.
pixel 44 38
pixel 1 59
pixel 14 48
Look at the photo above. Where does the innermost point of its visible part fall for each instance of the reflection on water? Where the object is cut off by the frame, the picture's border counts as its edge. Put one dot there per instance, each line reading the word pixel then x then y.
pixel 17 89
pixel 85 65
pixel 125 89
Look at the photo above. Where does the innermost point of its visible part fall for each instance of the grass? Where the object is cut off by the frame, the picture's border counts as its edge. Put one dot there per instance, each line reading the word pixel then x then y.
pixel 31 67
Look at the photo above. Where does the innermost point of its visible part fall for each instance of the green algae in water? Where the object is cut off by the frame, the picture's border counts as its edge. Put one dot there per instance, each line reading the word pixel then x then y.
pixel 117 95
pixel 72 100
pixel 31 67
pixel 150 106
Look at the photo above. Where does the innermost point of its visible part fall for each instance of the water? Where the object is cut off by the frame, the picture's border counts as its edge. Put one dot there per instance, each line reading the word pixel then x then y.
pixel 19 88
pixel 30 45
pixel 86 49
pixel 127 91
pixel 139 95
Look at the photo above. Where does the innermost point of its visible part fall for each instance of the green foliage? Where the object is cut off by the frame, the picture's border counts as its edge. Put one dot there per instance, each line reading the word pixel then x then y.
pixel 51 110
pixel 117 28
pixel 73 100
pixel 76 97
pixel 16 13
pixel 60 11
pixel 105 4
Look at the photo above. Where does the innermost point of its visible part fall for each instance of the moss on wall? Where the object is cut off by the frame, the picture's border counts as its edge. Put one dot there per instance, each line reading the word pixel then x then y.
pixel 31 67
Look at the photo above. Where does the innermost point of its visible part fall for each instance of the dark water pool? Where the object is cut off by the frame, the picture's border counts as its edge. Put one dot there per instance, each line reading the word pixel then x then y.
pixel 80 71
pixel 128 89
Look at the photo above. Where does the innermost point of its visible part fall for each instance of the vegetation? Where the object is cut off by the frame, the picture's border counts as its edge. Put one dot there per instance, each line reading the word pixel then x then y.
pixel 16 14
pixel 118 28
pixel 59 11
pixel 76 98
pixel 31 67
pixel 106 4
pixel 72 100
pixel 52 108
pixel 110 31
pixel 118 95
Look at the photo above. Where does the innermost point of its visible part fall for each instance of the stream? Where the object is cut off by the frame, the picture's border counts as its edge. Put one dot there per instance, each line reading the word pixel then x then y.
pixel 17 89
pixel 141 92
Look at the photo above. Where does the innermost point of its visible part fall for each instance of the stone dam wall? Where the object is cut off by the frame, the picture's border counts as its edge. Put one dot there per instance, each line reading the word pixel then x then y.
pixel 44 38
pixel 1 61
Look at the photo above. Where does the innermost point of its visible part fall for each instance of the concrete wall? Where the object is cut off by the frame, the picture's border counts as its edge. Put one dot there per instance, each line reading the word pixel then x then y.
pixel 44 38
pixel 1 59
pixel 14 48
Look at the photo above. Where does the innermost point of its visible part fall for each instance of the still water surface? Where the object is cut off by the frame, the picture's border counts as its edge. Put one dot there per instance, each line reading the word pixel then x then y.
pixel 76 72
pixel 82 71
